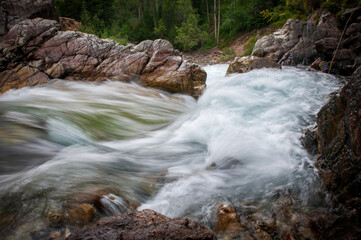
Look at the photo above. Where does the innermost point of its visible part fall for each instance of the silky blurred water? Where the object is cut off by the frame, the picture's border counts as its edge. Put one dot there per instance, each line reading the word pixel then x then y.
pixel 239 142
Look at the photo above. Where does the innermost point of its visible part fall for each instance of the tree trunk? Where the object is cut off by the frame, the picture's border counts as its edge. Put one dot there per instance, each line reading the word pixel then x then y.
pixel 207 11
pixel 219 20
pixel 154 13
pixel 141 10
pixel 215 19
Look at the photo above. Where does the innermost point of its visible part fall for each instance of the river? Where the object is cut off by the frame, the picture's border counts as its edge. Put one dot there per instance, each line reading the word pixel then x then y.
pixel 238 144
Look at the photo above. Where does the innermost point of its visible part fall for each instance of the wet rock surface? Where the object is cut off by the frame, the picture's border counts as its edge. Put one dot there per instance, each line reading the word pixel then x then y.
pixel 284 217
pixel 228 225
pixel 40 43
pixel 21 77
pixel 246 64
pixel 145 224
pixel 92 204
pixel 338 139
pixel 339 142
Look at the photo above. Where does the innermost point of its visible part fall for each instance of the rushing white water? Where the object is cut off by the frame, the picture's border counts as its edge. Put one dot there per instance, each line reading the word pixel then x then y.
pixel 180 157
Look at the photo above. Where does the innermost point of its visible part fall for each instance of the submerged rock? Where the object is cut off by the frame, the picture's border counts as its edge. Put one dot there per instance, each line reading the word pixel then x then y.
pixel 80 56
pixel 82 213
pixel 90 204
pixel 145 224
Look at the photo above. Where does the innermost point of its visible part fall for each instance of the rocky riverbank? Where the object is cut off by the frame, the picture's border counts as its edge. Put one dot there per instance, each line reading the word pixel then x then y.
pixel 313 43
pixel 335 142
pixel 34 50
pixel 145 224
pixel 37 50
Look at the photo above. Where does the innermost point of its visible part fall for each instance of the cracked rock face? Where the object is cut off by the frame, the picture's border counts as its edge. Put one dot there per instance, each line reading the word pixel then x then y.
pixel 145 224
pixel 72 55
pixel 315 43
pixel 338 139
pixel 14 11
pixel 294 43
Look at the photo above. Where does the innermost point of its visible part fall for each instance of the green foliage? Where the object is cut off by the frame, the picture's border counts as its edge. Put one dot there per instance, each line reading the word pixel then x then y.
pixel 203 36
pixel 188 33
pixel 161 29
pixel 186 23
pixel 121 40
pixel 331 6
pixel 250 45
pixel 69 8
pixel 184 9
pixel 228 54
pixel 93 25
pixel 279 15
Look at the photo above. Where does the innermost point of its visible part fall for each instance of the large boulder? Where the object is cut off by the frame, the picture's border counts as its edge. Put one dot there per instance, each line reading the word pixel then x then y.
pixel 295 43
pixel 300 42
pixel 145 224
pixel 41 44
pixel 14 11
pixel 248 63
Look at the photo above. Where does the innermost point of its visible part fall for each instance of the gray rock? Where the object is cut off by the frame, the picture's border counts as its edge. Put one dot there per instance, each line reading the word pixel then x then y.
pixel 80 56
pixel 248 63
pixel 294 43
pixel 14 11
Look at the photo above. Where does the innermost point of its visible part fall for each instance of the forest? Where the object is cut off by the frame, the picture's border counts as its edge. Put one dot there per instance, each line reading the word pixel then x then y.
pixel 188 24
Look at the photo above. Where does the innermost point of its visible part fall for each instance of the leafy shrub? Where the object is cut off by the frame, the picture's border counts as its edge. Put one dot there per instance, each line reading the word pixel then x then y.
pixel 228 54
pixel 279 15
pixel 250 45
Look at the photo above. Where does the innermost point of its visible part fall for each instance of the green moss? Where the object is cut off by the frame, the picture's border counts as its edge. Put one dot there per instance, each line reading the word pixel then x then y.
pixel 250 45
pixel 228 54
pixel 227 58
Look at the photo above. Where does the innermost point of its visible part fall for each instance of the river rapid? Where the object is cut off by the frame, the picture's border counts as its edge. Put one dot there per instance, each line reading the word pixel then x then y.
pixel 238 144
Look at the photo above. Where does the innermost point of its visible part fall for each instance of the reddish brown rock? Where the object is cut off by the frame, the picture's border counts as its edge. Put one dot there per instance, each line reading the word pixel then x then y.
pixel 98 198
pixel 339 138
pixel 316 64
pixel 246 64
pixel 82 213
pixel 70 24
pixel 228 224
pixel 55 219
pixel 79 56
pixel 145 224
pixel 339 143
pixel 14 11
pixel 21 77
